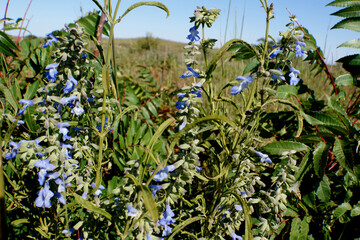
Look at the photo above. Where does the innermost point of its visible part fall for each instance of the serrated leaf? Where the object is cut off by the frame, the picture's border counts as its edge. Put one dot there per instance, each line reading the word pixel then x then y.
pixel 342 209
pixel 349 23
pixel 90 206
pixel 355 43
pixel 9 96
pixel 343 3
pixel 343 154
pixel 320 158
pixel 344 80
pixel 149 203
pixel 146 3
pixel 31 90
pixel 285 91
pixel 353 11
pixel 152 108
pixel 323 191
pixel 335 105
pixel 7 46
pixel 280 147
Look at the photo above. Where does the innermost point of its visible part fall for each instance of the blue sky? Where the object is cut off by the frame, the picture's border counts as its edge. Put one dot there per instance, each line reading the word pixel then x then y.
pixel 44 16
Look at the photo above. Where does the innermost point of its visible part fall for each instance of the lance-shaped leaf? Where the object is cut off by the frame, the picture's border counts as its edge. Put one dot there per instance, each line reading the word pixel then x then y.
pixel 320 158
pixel 183 225
pixel 355 43
pixel 7 46
pixel 323 192
pixel 149 203
pixel 343 3
pixel 343 154
pixel 91 207
pixel 145 3
pixel 349 23
pixel 280 147
pixel 353 11
pixel 344 80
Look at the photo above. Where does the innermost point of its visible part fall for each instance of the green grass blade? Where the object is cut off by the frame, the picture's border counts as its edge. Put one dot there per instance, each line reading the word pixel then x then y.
pixel 90 206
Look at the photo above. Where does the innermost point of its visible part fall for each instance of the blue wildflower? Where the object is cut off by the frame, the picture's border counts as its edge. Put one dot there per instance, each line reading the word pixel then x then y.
pixel 68 100
pixel 264 157
pixel 238 208
pixel 131 211
pixel 181 95
pixel 19 122
pixel 299 52
pixel 276 51
pixel 70 85
pixel 167 220
pixel 63 129
pixel 155 189
pixel 77 110
pixel 197 93
pixel 52 39
pixel 105 125
pixel 294 76
pixel 193 36
pixel 44 166
pixel 182 125
pixel 181 105
pixel 242 85
pixel 234 237
pixel 68 231
pixel 44 196
pixel 99 190
pixel 27 103
pixel 13 152
pixel 51 75
pixel 190 73
pixel 198 169
pixel 163 173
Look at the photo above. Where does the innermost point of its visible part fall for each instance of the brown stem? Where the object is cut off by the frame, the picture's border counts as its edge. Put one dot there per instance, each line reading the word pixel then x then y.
pixel 99 32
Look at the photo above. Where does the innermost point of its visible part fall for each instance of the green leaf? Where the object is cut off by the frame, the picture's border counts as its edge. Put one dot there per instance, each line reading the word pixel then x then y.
pixel 280 147
pixel 220 53
pixel 344 80
pixel 152 108
pixel 31 90
pixel 355 43
pixel 336 106
pixel 323 191
pixel 353 11
pixel 19 221
pixel 90 24
pixel 343 154
pixel 355 212
pixel 300 229
pixel 341 209
pixel 349 23
pixel 146 3
pixel 285 91
pixel 251 66
pixel 149 203
pixel 90 206
pixel 247 214
pixel 320 158
pixel 183 225
pixel 9 96
pixel 343 3
pixel 7 46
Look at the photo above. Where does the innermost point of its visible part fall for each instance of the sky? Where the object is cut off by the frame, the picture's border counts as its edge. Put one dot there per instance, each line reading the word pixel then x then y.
pixel 45 16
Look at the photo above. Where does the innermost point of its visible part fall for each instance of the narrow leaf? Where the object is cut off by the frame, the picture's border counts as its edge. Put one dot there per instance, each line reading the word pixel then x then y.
pixel 349 23
pixel 355 43
pixel 9 96
pixel 90 206
pixel 149 203
pixel 146 3
pixel 342 209
pixel 183 225
pixel 353 11
pixel 343 154
pixel 320 158
pixel 281 147
pixel 343 3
